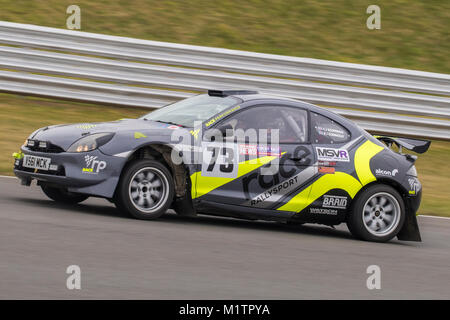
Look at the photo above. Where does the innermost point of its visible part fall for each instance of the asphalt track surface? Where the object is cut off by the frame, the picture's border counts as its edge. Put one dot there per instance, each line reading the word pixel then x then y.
pixel 202 257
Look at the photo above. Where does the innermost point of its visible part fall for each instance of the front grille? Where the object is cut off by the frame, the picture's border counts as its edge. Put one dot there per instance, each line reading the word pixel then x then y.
pixel 50 148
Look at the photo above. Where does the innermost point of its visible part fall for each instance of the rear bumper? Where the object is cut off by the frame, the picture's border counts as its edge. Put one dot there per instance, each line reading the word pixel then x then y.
pixel 413 202
pixel 410 230
pixel 92 173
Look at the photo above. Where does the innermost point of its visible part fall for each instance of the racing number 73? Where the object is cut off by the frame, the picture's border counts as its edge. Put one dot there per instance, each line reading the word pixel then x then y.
pixel 222 162
pixel 228 155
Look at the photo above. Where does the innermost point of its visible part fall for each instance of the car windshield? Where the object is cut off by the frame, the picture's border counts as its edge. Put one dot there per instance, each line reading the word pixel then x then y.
pixel 188 111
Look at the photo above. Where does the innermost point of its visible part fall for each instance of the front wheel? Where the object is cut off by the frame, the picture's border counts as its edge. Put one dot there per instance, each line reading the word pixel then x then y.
pixel 145 190
pixel 378 214
pixel 62 195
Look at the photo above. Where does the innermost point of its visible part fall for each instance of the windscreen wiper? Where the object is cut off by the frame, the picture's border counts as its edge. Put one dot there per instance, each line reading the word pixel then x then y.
pixel 168 122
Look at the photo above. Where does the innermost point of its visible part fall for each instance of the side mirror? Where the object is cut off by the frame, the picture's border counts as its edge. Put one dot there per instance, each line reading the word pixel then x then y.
pixel 223 131
pixel 227 130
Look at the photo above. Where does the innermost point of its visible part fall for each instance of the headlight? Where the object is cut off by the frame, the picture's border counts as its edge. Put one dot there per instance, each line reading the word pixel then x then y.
pixel 412 171
pixel 90 142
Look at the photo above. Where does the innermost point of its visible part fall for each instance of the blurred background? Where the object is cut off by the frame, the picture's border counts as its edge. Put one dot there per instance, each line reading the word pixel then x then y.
pixel 413 35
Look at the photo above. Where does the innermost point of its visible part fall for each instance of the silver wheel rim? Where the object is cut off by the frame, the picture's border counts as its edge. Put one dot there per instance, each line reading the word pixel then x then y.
pixel 148 189
pixel 381 214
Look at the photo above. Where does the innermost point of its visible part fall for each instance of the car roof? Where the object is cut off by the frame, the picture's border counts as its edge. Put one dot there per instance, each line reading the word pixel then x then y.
pixel 252 95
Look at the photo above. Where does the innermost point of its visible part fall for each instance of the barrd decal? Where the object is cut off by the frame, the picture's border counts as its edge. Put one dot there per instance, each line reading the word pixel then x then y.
pixel 337 202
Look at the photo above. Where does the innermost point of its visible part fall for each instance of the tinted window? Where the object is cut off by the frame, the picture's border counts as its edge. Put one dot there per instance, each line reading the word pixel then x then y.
pixel 291 123
pixel 188 111
pixel 326 131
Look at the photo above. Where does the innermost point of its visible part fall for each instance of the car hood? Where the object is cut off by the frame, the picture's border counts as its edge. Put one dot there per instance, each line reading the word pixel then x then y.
pixel 65 135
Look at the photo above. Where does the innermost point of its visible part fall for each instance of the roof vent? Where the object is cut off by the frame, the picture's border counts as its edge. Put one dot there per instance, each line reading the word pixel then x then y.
pixel 225 93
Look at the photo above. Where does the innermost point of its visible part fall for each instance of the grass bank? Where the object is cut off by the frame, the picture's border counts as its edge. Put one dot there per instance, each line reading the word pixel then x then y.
pixel 414 34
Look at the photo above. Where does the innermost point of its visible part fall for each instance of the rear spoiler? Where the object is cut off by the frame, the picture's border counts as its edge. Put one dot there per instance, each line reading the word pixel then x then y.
pixel 416 145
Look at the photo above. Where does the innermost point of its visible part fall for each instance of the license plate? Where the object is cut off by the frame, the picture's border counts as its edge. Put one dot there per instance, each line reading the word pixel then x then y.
pixel 34 162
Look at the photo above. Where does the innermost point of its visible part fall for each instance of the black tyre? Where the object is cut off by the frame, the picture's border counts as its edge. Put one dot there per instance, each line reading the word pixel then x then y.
pixel 377 214
pixel 145 190
pixel 62 195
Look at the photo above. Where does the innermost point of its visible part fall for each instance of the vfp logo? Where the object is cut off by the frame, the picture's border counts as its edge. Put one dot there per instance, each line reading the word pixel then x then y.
pixel 93 165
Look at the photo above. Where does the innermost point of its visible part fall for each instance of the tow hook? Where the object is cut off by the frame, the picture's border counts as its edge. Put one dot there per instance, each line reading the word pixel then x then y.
pixel 25 181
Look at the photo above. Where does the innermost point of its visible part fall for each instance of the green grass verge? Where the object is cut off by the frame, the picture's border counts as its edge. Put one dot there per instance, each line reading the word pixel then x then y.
pixel 19 116
pixel 414 34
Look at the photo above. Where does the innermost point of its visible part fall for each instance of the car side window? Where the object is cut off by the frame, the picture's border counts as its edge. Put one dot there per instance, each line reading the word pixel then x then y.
pixel 326 131
pixel 290 122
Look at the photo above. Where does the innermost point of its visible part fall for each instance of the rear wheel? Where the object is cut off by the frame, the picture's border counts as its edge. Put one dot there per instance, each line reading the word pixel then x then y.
pixel 145 190
pixel 378 214
pixel 62 195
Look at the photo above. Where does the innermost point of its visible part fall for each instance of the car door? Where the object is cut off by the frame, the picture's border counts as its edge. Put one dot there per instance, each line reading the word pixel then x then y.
pixel 267 159
pixel 334 148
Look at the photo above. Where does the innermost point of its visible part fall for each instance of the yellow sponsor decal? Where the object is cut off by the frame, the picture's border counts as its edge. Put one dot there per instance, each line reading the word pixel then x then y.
pixel 86 126
pixel 202 185
pixel 195 133
pixel 339 180
pixel 88 169
pixel 139 135
pixel 220 116
pixel 362 161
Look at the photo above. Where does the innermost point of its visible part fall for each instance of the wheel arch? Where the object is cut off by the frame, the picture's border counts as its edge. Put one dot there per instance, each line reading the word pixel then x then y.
pixel 161 152
pixel 390 182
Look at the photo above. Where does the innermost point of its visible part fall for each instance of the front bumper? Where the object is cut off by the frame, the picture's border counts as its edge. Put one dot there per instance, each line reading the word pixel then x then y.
pixel 92 173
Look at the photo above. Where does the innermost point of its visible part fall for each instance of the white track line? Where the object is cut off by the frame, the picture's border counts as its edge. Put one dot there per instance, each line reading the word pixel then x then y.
pixel 437 217
pixel 9 177
pixel 420 215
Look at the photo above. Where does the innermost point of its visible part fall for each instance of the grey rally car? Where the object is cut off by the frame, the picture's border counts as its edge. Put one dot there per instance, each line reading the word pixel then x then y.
pixel 235 153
